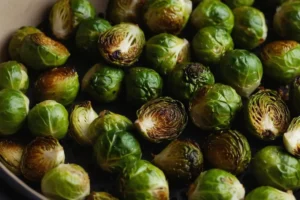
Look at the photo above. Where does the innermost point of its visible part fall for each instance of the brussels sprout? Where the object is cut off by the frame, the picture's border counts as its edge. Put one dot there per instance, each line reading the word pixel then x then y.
pixel 122 44
pixel 10 155
pixel 66 15
pixel 238 3
pixel 212 13
pixel 216 184
pixel 88 33
pixel 164 51
pixel 100 196
pixel 13 75
pixel 295 95
pixel 168 16
pixel 213 107
pixel 266 115
pixel 228 150
pixel 109 122
pixel 250 28
pixel 125 11
pixel 269 193
pixel 161 119
pixel 41 52
pixel 142 180
pixel 103 82
pixel 59 84
pixel 186 78
pixel 40 156
pixel 48 118
pixel 142 84
pixel 242 70
pixel 16 41
pixel 67 181
pixel 281 60
pixel 81 117
pixel 273 166
pixel 291 138
pixel 14 107
pixel 181 160
pixel 114 150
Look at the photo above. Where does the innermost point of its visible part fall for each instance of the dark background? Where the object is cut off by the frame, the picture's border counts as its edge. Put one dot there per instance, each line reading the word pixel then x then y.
pixel 7 193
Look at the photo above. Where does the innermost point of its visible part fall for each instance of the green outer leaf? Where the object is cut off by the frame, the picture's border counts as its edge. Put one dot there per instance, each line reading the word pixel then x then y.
pixel 82 9
pixel 269 193
pixel 238 3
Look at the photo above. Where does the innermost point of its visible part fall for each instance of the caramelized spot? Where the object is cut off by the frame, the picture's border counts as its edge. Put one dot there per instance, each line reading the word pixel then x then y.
pixel 42 39
pixel 278 48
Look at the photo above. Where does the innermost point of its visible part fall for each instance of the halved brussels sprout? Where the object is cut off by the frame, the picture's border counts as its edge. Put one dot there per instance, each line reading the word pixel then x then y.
pixel 103 82
pixel 100 196
pixel 14 107
pixel 291 138
pixel 114 150
pixel 281 60
pixel 59 84
pixel 17 39
pixel 181 160
pixel 294 95
pixel 266 115
pixel 142 84
pixel 122 44
pixel 167 16
pixel 213 107
pixel 186 78
pixel 142 180
pixel 161 119
pixel 216 184
pixel 66 181
pixel 48 118
pixel 13 75
pixel 212 13
pixel 210 44
pixel 81 117
pixel 10 155
pixel 66 15
pixel 242 70
pixel 273 166
pixel 40 156
pixel 269 193
pixel 238 3
pixel 164 51
pixel 41 52
pixel 228 150
pixel 88 33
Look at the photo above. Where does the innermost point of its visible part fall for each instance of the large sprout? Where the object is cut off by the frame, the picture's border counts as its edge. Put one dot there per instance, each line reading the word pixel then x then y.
pixel 291 138
pixel 269 193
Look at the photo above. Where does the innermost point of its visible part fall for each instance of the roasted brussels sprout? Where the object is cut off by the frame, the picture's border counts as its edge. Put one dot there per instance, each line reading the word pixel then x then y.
pixel 212 13
pixel 216 184
pixel 291 138
pixel 294 95
pixel 142 180
pixel 100 196
pixel 228 150
pixel 238 3
pixel 161 119
pixel 164 51
pixel 81 117
pixel 109 122
pixel 181 160
pixel 41 52
pixel 142 84
pixel 186 78
pixel 13 75
pixel 242 70
pixel 88 33
pixel 103 82
pixel 213 107
pixel 10 155
pixel 40 156
pixel 17 39
pixel 210 44
pixel 48 118
pixel 167 16
pixel 273 166
pixel 122 44
pixel 59 84
pixel 114 150
pixel 266 115
pixel 14 107
pixel 269 193
pixel 67 181
pixel 66 15
pixel 281 60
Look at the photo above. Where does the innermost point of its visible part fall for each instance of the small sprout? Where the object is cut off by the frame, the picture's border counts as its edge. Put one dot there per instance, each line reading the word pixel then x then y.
pixel 100 196
pixel 269 193
pixel 291 138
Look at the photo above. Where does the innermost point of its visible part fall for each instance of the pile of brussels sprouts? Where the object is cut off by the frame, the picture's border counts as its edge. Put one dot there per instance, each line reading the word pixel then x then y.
pixel 229 69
